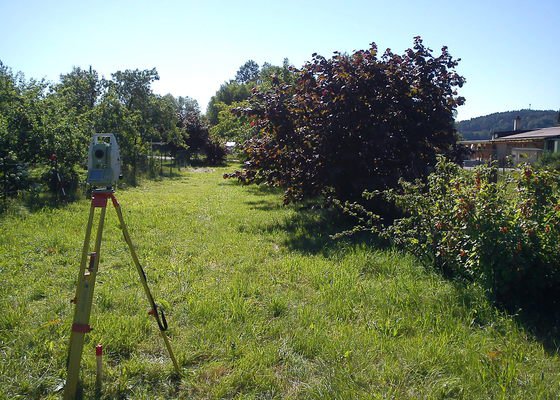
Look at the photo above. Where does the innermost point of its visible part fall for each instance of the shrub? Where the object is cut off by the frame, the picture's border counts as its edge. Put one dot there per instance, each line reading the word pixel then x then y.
pixel 14 175
pixel 353 122
pixel 215 152
pixel 505 234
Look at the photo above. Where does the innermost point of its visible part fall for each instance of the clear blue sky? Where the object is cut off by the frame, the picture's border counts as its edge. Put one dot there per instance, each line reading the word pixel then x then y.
pixel 509 49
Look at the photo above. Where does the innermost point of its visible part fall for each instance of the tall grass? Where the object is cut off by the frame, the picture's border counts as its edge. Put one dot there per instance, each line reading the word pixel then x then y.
pixel 260 302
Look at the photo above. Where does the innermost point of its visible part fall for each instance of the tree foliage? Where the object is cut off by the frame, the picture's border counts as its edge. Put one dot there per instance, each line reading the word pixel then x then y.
pixel 273 74
pixel 80 88
pixel 248 72
pixel 249 78
pixel 231 127
pixel 47 126
pixel 354 122
pixel 228 94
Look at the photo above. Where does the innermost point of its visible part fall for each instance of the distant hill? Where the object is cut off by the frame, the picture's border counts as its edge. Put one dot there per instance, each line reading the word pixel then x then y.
pixel 483 127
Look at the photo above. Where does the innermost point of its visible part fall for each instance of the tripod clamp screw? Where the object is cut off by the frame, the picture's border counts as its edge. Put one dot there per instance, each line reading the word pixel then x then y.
pixel 160 318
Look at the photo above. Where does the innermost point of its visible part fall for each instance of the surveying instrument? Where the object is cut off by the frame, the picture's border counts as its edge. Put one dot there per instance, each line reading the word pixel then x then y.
pixel 104 170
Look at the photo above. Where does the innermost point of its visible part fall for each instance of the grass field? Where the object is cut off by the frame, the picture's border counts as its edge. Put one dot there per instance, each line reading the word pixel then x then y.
pixel 261 304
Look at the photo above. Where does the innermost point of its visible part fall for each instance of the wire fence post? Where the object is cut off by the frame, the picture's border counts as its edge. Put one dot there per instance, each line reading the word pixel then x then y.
pixel 4 184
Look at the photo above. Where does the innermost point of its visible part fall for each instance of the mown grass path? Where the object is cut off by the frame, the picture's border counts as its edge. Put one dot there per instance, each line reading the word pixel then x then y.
pixel 261 304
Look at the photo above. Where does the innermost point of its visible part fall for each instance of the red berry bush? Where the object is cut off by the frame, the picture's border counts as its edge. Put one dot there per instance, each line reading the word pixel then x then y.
pixel 503 233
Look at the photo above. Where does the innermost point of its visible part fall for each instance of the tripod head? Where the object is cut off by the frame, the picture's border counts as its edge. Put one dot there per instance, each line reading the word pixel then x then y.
pixel 104 161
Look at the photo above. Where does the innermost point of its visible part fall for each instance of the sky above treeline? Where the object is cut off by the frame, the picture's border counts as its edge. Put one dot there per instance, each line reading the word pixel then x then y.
pixel 508 49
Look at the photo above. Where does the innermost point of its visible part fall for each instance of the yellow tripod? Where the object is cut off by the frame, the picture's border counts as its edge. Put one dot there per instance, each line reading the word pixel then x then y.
pixel 86 284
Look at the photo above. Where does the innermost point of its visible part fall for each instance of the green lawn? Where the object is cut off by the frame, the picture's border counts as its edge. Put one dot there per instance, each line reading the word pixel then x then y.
pixel 261 304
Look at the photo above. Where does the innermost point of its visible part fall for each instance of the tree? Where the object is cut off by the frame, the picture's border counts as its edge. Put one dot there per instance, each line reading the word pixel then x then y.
pixel 197 129
pixel 248 72
pixel 187 109
pixel 228 93
pixel 272 74
pixel 111 115
pixel 44 125
pixel 26 116
pixel 129 98
pixel 230 126
pixel 68 120
pixel 133 88
pixel 80 88
pixel 10 109
pixel 49 125
pixel 10 103
pixel 354 122
pixel 165 117
pixel 241 89
pixel 65 135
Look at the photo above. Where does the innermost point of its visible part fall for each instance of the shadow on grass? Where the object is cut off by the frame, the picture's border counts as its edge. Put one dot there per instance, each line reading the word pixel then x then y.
pixel 543 322
pixel 34 202
pixel 261 190
pixel 310 231
pixel 267 197
pixel 264 205
pixel 311 228
pixel 540 320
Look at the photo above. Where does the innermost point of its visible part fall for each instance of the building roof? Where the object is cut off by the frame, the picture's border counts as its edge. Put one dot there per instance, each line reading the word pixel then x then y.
pixel 543 133
pixel 477 141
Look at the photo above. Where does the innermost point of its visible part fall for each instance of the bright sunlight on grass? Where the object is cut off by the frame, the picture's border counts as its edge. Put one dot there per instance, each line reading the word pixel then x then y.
pixel 260 302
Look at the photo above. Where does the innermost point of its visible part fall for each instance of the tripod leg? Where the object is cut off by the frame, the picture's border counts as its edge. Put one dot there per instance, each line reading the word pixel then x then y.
pixel 83 262
pixel 72 382
pixel 162 324
pixel 83 301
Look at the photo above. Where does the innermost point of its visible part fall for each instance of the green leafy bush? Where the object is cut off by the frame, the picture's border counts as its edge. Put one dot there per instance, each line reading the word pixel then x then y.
pixel 504 234
pixel 549 161
pixel 14 175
